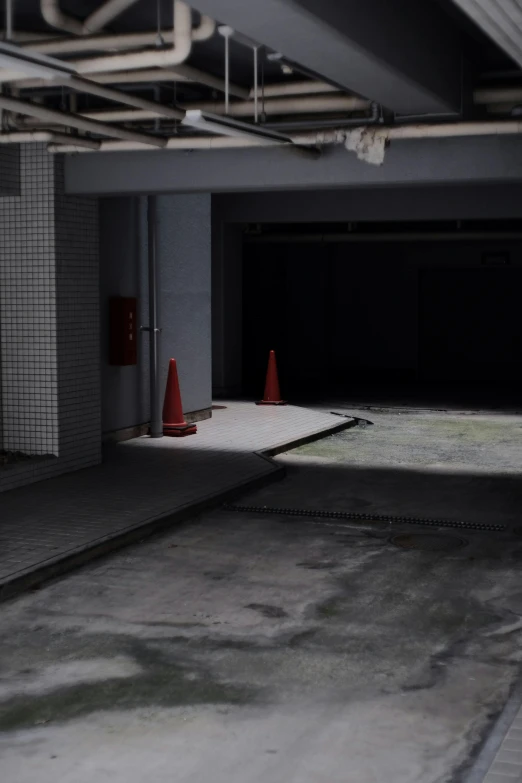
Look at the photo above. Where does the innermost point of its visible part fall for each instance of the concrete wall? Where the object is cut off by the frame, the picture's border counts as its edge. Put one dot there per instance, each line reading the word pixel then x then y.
pixel 183 255
pixel 125 390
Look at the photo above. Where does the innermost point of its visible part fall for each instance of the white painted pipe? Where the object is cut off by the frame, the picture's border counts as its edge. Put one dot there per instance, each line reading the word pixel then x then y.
pixel 105 14
pixel 284 89
pixel 117 42
pixel 452 130
pixel 27 137
pixel 153 107
pixel 109 10
pixel 181 73
pixel 68 120
pixel 123 115
pixel 149 109
pixel 138 77
pixel 321 138
pixel 173 143
pixel 276 106
pixel 130 77
pixel 202 77
pixel 155 58
pixel 488 95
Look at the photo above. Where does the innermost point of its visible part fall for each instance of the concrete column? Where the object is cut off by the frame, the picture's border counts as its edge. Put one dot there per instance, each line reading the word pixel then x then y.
pixel 184 262
pixel 48 322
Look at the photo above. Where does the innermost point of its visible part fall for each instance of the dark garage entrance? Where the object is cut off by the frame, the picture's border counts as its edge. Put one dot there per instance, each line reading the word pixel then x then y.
pixel 430 316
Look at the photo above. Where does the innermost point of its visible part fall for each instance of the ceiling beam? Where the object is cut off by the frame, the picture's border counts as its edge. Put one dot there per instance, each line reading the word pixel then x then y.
pixel 405 55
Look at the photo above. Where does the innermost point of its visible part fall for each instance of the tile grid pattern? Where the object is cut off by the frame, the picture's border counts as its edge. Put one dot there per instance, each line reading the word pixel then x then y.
pixel 143 480
pixel 28 310
pixel 507 766
pixel 49 324
pixel 9 170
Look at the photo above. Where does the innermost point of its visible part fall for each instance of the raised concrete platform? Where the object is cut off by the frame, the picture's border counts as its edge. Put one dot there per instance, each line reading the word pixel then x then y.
pixel 143 486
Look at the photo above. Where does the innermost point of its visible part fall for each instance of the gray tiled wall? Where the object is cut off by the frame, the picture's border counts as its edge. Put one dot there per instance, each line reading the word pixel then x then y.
pixel 48 323
pixel 9 170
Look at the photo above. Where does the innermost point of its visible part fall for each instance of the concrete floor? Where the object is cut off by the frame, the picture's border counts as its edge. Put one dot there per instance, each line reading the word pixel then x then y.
pixel 256 649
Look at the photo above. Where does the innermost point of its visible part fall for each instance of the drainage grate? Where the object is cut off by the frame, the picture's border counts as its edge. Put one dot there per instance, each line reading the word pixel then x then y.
pixel 428 542
pixel 354 517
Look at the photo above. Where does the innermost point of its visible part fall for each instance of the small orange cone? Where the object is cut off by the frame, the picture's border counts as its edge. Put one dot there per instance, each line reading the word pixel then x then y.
pixel 173 422
pixel 272 395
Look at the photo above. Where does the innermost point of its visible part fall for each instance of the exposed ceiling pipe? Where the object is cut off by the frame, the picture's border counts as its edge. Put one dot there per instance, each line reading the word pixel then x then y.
pixel 68 120
pixel 177 74
pixel 116 42
pixel 297 106
pixel 131 77
pixel 182 36
pixel 295 88
pixel 108 11
pixel 138 77
pixel 202 77
pixel 321 138
pixel 28 137
pixel 452 130
pixel 122 115
pixel 159 58
pixel 157 109
pixel 487 95
pixel 174 143
pixel 279 106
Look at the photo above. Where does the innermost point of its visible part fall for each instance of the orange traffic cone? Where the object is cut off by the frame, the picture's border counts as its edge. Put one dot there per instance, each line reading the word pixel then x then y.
pixel 272 395
pixel 173 422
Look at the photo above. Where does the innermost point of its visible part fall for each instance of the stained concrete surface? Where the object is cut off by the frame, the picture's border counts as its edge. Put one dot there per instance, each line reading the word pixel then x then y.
pixel 254 649
pixel 449 466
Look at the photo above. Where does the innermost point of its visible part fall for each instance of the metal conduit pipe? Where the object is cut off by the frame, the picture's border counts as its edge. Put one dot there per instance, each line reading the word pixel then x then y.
pixel 321 138
pixel 132 115
pixel 29 137
pixel 304 105
pixel 161 58
pixel 156 423
pixel 201 77
pixel 488 95
pixel 68 120
pixel 179 73
pixel 152 107
pixel 132 77
pixel 279 106
pixel 295 88
pixel 116 42
pixel 109 10
pixel 182 35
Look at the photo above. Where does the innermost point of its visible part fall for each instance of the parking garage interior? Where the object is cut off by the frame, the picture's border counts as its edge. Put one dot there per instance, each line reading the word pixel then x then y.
pixel 408 312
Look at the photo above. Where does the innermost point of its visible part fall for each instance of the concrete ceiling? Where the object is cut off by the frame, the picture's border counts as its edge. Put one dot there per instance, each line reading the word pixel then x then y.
pixel 403 54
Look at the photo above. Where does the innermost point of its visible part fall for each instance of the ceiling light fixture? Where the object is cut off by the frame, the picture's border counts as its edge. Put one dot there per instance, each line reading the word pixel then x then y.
pixel 32 64
pixel 225 126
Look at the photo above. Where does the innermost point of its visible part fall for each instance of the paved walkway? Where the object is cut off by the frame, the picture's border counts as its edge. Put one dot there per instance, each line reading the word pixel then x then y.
pixel 141 482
